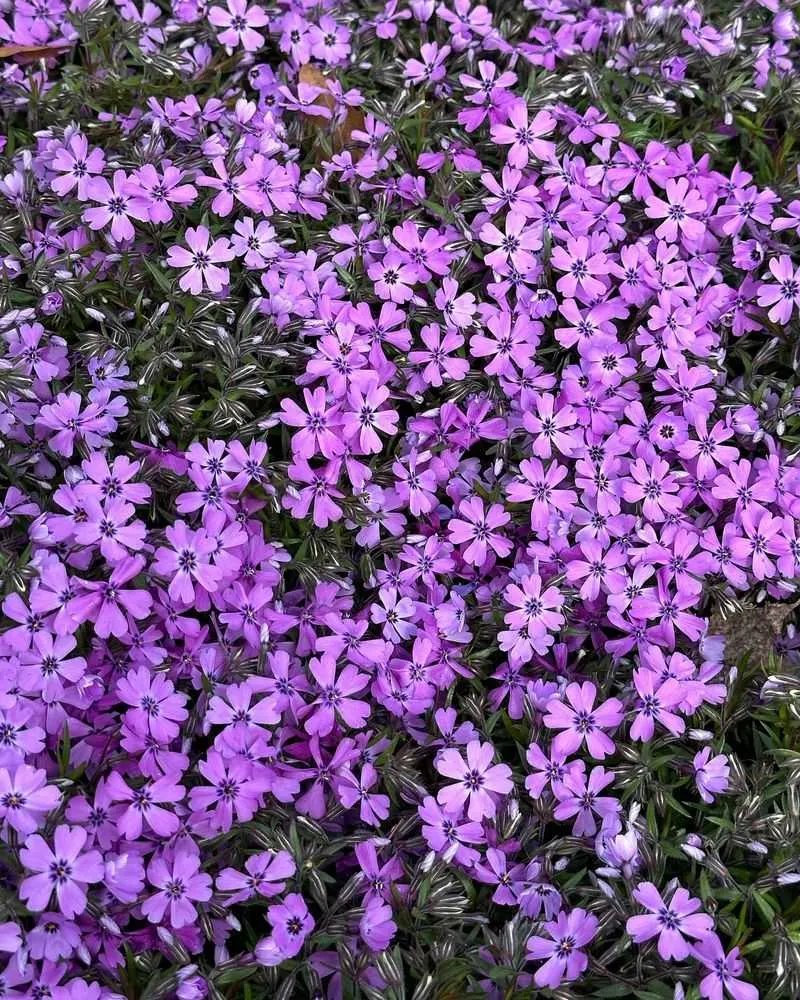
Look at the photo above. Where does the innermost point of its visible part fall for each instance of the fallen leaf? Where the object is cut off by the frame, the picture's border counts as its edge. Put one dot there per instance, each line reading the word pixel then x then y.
pixel 30 53
pixel 353 120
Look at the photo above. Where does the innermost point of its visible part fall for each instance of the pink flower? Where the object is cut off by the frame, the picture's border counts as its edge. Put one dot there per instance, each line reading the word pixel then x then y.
pixel 202 260
pixel 117 207
pixel 477 526
pixel 683 203
pixel 186 561
pixel 478 780
pixel 582 722
pixel 525 138
pixel 239 22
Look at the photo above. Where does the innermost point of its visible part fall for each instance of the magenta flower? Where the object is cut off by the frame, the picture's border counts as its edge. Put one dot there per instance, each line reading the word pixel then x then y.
pixel 582 722
pixel 203 259
pixel 181 884
pixel 65 870
pixel 478 780
pixel 565 961
pixel 671 922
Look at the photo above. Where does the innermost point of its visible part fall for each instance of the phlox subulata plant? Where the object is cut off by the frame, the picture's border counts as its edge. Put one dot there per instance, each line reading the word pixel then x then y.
pixel 392 400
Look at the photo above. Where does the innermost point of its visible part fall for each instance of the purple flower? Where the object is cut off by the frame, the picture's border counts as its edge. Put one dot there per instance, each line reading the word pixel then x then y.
pixel 376 927
pixel 678 211
pixel 525 137
pixel 76 164
pixel 725 971
pixel 65 870
pixel 563 948
pixel 477 780
pixel 671 922
pixel 579 796
pixel 335 697
pixel 266 875
pixel 186 562
pixel 580 721
pixel 783 296
pixel 291 924
pixel 26 798
pixel 202 259
pixel 180 885
pixel 710 774
pixel 478 527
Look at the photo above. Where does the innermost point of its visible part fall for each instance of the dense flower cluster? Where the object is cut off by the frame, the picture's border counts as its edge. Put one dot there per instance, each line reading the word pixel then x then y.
pixel 450 588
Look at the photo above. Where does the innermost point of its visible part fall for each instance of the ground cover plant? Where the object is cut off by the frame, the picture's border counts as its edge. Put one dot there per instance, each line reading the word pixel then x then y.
pixel 398 405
